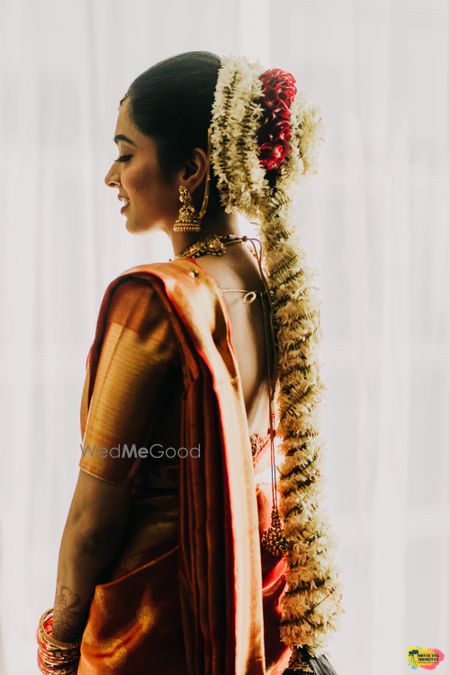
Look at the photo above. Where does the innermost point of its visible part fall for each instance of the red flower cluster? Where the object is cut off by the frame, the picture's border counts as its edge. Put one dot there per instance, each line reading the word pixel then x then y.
pixel 279 90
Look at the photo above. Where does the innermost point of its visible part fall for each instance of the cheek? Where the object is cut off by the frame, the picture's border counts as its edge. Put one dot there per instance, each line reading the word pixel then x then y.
pixel 136 180
pixel 148 191
pixel 150 196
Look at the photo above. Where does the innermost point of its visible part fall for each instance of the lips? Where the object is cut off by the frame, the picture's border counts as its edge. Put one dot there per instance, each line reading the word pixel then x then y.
pixel 125 201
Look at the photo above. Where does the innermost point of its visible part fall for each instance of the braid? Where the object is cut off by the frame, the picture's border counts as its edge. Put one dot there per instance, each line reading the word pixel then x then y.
pixel 312 578
pixel 257 156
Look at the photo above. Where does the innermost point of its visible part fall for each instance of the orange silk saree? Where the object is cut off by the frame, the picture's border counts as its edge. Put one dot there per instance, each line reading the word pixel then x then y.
pixel 206 600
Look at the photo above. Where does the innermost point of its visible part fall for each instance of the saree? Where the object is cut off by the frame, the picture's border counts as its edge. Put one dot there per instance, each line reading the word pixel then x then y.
pixel 198 595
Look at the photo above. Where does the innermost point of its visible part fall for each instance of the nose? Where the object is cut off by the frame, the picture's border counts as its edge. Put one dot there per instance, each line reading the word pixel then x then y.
pixel 112 179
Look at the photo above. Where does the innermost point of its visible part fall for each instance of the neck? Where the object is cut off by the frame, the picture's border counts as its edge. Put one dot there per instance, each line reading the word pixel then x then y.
pixel 215 223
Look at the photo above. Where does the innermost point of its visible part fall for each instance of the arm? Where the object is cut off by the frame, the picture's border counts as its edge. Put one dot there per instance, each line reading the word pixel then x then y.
pixel 137 348
pixel 89 545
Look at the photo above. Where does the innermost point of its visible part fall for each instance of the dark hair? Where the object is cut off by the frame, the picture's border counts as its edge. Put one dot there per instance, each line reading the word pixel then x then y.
pixel 172 103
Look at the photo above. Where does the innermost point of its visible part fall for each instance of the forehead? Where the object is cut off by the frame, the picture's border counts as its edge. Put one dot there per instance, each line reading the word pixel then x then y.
pixel 126 127
pixel 124 122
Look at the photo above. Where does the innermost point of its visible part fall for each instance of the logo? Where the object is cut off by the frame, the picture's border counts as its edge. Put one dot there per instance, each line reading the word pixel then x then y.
pixel 418 657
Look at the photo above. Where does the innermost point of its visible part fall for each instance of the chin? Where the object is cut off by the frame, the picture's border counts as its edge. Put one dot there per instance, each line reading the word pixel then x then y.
pixel 145 225
pixel 131 225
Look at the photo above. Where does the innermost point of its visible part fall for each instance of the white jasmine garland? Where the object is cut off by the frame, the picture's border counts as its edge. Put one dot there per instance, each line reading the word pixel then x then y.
pixel 236 115
pixel 311 606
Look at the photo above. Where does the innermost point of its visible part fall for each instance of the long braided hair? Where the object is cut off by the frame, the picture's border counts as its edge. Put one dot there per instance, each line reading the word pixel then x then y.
pixel 265 137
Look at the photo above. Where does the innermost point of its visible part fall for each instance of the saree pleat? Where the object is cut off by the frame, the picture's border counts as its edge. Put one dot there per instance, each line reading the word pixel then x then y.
pixel 209 605
pixel 199 543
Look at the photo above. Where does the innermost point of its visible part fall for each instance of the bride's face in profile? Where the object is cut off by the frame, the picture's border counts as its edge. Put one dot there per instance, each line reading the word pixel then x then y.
pixel 149 199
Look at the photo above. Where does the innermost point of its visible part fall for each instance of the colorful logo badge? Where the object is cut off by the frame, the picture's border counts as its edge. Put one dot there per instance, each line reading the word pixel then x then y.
pixel 418 657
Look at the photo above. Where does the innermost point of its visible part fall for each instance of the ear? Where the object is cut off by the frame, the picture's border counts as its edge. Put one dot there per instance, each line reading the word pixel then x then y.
pixel 193 171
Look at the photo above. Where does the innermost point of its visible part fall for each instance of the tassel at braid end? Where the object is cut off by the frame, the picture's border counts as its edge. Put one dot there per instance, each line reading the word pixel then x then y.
pixel 303 663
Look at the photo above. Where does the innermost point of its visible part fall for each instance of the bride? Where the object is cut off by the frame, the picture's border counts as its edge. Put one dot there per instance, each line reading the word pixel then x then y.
pixel 187 549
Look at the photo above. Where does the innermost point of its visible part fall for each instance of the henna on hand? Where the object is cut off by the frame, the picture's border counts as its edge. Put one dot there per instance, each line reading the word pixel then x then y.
pixel 69 615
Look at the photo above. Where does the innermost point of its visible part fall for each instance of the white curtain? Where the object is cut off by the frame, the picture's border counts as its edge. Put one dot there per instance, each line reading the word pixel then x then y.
pixel 375 225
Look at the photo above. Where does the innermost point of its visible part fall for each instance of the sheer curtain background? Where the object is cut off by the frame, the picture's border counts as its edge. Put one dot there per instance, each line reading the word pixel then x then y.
pixel 375 225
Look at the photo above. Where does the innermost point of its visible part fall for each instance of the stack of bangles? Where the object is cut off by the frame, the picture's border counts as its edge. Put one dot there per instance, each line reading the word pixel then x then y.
pixel 54 656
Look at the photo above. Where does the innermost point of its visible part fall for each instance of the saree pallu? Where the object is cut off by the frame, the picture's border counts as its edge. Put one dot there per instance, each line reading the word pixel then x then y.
pixel 205 603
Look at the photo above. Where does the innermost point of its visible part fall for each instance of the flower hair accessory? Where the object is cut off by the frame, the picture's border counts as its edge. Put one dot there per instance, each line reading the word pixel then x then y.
pixel 264 136
pixel 275 132
pixel 254 113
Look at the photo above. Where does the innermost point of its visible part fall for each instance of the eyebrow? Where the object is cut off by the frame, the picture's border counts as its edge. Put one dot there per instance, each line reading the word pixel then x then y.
pixel 122 137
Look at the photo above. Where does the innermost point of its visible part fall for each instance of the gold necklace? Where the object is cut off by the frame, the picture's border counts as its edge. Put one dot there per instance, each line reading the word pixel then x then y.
pixel 210 244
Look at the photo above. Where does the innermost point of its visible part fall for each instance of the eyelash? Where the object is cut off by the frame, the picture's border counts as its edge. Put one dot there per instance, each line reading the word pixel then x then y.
pixel 123 158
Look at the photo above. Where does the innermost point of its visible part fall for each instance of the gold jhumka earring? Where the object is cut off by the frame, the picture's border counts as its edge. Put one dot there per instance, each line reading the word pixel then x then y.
pixel 189 220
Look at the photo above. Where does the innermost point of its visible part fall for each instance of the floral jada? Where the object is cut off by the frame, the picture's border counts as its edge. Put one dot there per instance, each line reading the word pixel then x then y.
pixel 264 136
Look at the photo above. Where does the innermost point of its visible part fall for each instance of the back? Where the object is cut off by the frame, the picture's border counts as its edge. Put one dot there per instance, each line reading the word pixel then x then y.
pixel 238 269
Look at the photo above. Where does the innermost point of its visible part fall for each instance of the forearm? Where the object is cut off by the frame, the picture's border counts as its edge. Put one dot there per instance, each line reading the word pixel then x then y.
pixel 83 558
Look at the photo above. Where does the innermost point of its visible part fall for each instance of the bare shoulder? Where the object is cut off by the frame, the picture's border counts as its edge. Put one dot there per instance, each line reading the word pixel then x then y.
pixel 238 268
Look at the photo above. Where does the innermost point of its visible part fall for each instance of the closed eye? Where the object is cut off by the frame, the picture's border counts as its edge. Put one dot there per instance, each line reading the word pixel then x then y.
pixel 123 158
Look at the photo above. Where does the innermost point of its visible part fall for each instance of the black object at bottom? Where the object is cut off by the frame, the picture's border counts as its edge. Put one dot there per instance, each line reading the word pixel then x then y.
pixel 303 663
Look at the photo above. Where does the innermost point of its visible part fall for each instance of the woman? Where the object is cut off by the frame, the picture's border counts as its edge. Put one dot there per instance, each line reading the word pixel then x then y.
pixel 174 558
